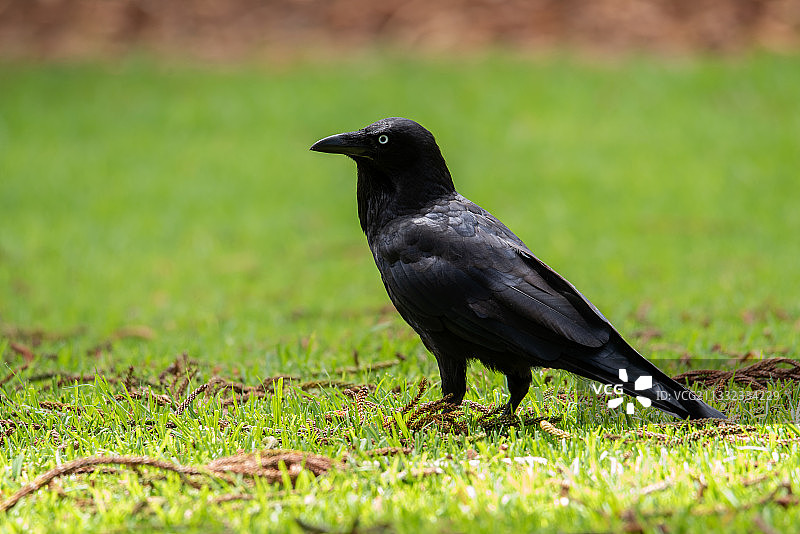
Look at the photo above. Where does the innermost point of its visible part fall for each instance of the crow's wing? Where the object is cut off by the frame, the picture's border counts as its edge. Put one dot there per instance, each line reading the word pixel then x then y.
pixel 459 269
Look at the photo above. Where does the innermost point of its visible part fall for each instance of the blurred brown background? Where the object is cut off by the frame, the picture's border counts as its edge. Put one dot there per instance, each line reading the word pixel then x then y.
pixel 229 29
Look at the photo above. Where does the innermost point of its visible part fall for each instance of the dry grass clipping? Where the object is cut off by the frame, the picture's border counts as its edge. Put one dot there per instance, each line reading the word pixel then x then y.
pixel 272 465
pixel 757 376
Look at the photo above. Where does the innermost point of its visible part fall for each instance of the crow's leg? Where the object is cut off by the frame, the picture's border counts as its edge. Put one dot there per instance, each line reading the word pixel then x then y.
pixel 518 384
pixel 454 378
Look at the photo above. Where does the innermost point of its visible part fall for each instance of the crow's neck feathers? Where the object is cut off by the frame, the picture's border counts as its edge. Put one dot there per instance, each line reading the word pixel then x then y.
pixel 386 192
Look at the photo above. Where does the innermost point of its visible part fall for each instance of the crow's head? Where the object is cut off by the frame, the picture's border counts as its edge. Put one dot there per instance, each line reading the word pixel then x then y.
pixel 400 169
pixel 397 148
pixel 388 142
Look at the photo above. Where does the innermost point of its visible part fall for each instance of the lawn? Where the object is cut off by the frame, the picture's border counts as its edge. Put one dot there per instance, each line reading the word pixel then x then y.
pixel 164 227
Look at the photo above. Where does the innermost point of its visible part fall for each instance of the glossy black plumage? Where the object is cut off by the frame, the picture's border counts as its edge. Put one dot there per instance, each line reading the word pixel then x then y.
pixel 471 288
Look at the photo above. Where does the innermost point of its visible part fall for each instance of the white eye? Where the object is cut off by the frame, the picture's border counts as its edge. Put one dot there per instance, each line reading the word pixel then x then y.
pixel 383 139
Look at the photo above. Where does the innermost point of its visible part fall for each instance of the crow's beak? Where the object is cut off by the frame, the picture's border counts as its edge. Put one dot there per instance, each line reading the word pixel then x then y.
pixel 351 144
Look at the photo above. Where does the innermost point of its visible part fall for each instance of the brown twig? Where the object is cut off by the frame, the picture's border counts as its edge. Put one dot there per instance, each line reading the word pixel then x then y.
pixel 269 464
pixel 757 375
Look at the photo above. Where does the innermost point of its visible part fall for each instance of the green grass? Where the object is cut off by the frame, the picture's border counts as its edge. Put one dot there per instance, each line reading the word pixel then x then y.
pixel 184 201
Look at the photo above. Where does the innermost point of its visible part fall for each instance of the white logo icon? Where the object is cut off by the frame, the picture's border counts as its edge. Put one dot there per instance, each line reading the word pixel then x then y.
pixel 642 383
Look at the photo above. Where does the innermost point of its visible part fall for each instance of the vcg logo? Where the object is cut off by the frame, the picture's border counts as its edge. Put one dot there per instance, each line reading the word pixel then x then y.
pixel 642 383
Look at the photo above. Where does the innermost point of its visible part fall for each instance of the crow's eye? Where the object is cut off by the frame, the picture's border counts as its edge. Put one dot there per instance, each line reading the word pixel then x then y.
pixel 383 139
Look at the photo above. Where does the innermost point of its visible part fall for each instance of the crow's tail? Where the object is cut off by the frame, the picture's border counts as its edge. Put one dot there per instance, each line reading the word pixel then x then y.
pixel 663 392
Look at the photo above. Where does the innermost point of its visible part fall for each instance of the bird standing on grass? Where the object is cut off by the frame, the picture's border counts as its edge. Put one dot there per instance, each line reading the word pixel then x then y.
pixel 471 288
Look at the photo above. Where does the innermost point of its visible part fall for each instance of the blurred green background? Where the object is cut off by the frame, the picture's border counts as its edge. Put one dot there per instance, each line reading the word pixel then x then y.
pixel 154 168
pixel 185 198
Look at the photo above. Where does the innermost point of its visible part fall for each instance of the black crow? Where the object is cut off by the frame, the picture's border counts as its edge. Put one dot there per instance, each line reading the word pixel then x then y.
pixel 471 288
